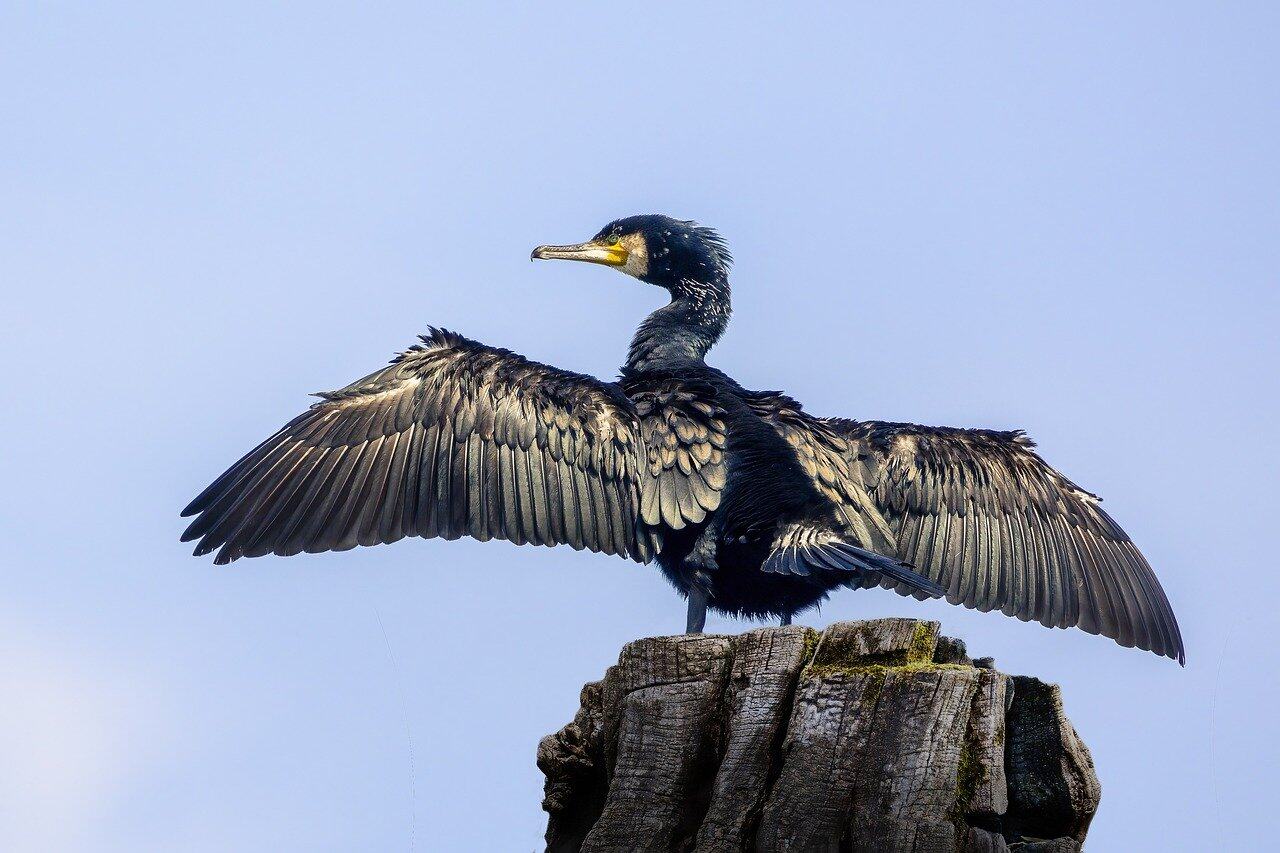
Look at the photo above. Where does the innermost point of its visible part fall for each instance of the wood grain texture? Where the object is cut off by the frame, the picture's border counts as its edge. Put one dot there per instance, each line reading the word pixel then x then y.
pixel 766 664
pixel 870 736
pixel 1058 791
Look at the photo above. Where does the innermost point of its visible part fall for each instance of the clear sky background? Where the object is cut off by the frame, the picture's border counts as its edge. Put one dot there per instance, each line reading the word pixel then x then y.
pixel 1061 217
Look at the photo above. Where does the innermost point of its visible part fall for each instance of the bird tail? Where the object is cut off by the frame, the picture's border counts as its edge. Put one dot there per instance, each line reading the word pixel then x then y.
pixel 804 558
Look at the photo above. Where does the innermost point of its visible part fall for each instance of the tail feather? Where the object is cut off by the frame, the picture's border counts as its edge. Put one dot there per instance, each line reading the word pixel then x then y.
pixel 836 556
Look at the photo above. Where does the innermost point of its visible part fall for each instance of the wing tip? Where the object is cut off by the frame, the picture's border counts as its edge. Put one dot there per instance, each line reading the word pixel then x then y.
pixel 1175 651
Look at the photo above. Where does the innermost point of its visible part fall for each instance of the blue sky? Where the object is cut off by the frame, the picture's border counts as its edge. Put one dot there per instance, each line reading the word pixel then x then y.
pixel 1061 217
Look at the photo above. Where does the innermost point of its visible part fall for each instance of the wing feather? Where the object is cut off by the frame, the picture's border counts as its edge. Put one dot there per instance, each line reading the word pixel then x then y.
pixel 453 438
pixel 836 473
pixel 682 465
pixel 1031 543
pixel 294 533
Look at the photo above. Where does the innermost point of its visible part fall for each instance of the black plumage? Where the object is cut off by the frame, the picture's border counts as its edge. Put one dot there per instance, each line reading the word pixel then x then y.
pixel 748 504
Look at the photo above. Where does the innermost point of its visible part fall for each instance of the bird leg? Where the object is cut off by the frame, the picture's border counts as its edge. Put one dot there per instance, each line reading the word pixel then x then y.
pixel 697 619
pixel 700 563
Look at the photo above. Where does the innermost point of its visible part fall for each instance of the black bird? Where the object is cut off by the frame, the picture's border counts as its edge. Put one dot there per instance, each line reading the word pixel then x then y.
pixel 749 505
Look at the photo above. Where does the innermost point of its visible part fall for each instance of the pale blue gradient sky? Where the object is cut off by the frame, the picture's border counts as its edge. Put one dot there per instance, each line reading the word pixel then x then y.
pixel 1061 217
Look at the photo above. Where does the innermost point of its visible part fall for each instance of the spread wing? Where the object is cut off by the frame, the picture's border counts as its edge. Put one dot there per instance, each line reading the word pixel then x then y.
pixel 453 438
pixel 982 514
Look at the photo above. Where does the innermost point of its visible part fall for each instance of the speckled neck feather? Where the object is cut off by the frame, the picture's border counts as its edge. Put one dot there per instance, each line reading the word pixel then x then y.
pixel 685 329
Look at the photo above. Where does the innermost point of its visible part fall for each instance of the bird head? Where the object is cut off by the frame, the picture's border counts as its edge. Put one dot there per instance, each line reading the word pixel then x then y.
pixel 653 248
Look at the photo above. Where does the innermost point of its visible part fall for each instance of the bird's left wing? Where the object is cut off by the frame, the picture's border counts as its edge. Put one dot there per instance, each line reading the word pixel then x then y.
pixel 454 438
pixel 982 514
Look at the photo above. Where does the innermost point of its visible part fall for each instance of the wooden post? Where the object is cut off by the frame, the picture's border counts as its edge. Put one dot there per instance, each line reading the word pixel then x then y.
pixel 869 736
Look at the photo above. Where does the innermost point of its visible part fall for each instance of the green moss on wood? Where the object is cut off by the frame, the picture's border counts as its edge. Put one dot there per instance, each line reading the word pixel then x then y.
pixel 811 639
pixel 969 775
pixel 924 639
pixel 827 669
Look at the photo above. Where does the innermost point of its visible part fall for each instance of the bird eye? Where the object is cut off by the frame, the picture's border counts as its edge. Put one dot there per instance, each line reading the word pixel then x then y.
pixel 613 240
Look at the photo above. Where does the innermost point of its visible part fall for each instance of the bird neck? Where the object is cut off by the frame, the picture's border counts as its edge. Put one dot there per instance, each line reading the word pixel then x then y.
pixel 685 329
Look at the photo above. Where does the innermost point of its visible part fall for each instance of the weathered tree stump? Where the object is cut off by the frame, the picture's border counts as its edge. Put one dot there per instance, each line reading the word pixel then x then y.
pixel 868 736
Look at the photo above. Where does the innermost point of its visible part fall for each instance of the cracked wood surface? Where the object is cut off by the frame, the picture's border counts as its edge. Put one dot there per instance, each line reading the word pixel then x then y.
pixel 869 736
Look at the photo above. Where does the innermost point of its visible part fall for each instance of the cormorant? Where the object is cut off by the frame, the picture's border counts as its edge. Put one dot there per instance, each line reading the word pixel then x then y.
pixel 750 505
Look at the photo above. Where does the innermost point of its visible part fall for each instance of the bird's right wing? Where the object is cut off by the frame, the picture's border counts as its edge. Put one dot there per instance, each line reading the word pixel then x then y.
pixel 454 438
